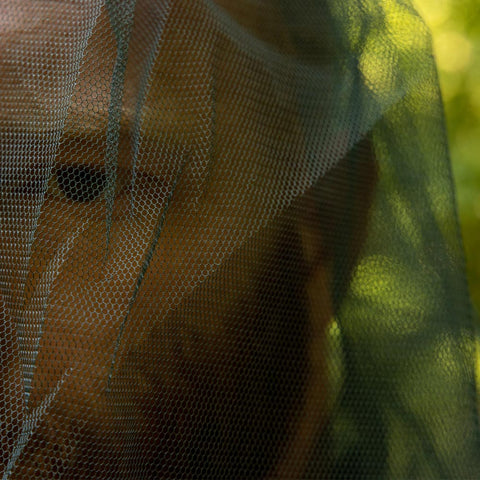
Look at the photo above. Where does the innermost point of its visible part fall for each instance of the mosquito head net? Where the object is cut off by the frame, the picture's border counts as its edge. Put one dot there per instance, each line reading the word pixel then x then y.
pixel 228 244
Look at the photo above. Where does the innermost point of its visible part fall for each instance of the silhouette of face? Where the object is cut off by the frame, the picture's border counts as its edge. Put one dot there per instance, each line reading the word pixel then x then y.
pixel 172 322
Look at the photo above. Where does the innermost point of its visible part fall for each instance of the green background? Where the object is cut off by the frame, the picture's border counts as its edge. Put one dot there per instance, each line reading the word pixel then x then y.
pixel 455 26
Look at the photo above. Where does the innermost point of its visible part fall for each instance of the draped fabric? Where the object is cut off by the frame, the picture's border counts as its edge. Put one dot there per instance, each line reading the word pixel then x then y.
pixel 228 244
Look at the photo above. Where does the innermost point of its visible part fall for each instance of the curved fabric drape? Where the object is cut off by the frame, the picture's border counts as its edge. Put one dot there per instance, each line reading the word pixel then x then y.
pixel 228 244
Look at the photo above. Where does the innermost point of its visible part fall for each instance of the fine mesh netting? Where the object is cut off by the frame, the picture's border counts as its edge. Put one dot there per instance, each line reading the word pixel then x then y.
pixel 228 244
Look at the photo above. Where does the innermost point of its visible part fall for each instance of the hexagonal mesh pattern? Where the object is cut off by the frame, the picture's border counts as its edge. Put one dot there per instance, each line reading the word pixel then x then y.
pixel 228 244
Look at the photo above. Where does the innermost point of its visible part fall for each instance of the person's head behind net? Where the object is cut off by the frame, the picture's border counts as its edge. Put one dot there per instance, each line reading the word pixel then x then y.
pixel 179 283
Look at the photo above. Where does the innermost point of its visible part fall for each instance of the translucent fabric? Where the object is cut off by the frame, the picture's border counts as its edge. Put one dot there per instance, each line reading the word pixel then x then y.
pixel 229 245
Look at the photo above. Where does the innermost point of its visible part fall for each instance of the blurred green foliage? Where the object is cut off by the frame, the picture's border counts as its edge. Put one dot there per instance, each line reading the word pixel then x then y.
pixel 455 26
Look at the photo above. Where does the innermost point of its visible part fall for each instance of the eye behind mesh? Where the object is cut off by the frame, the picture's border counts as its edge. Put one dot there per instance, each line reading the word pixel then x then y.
pixel 80 183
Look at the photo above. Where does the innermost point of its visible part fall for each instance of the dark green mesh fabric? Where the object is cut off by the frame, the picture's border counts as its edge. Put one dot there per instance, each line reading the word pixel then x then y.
pixel 228 244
